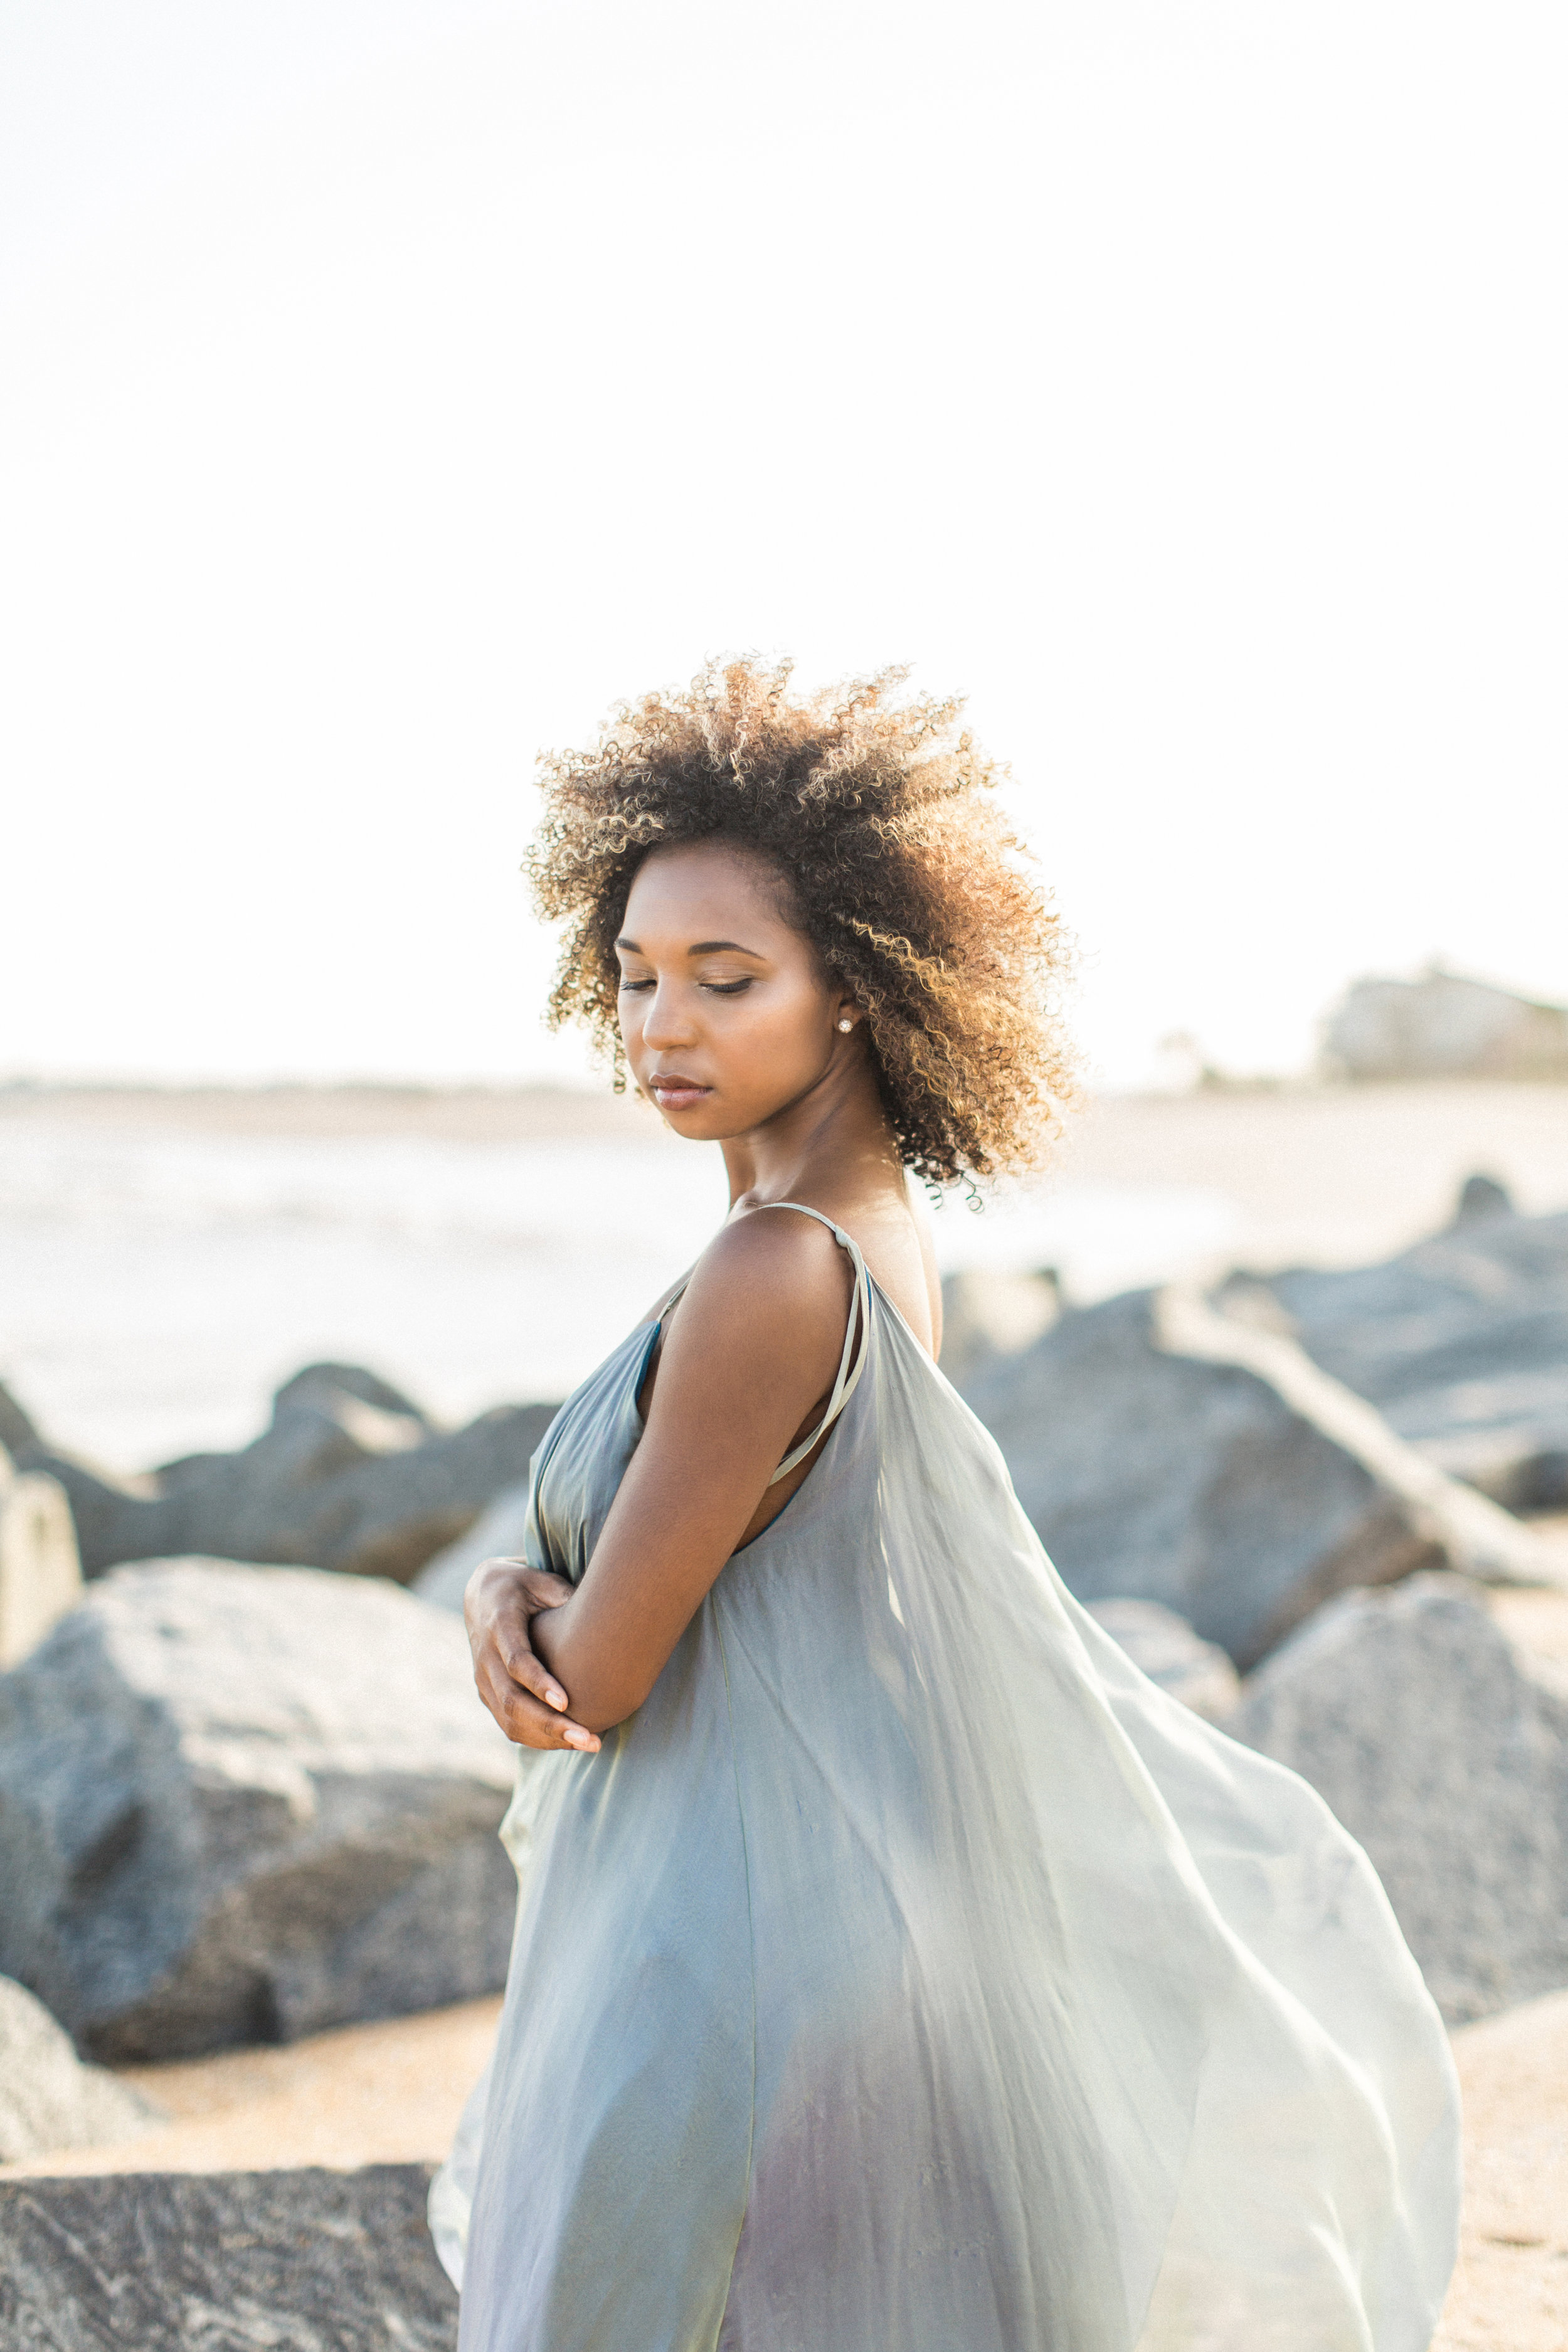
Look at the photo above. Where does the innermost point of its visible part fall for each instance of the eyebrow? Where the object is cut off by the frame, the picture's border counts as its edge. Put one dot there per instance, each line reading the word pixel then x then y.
pixel 701 947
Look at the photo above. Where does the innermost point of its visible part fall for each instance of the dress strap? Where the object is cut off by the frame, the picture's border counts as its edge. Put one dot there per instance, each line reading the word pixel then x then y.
pixel 858 1325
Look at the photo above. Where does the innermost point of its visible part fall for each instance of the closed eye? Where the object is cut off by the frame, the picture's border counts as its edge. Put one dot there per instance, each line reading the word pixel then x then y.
pixel 713 987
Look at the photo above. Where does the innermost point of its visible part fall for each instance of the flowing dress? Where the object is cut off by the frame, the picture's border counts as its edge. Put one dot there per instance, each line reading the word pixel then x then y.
pixel 909 1974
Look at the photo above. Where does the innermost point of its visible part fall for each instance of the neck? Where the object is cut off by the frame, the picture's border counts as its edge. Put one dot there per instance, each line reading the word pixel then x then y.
pixel 835 1132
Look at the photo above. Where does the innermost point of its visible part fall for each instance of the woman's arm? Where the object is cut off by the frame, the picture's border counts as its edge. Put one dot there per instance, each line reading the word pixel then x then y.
pixel 747 1360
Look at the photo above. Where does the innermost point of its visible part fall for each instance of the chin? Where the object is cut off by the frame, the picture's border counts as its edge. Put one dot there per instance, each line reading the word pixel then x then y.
pixel 701 1123
pixel 704 1125
pixel 709 1123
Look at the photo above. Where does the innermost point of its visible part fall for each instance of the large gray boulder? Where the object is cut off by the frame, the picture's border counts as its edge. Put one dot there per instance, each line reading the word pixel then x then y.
pixel 241 1804
pixel 1461 1343
pixel 1442 1745
pixel 1167 1452
pixel 228 2262
pixel 349 1474
pixel 49 2099
pixel 18 1431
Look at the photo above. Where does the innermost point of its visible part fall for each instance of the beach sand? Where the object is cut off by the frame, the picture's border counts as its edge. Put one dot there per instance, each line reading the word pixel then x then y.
pixel 392 2093
pixel 383 2093
pixel 1510 2289
pixel 1319 1175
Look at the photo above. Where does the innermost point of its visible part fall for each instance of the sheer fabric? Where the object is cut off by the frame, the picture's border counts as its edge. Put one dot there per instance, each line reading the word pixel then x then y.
pixel 910 1974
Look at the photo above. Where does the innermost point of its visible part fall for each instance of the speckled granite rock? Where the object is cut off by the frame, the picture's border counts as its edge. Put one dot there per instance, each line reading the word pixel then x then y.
pixel 227 2262
pixel 240 1804
pixel 1461 1343
pixel 349 1474
pixel 1168 1452
pixel 1442 1745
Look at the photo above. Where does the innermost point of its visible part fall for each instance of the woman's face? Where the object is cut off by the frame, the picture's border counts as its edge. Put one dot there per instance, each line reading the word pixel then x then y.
pixel 727 1015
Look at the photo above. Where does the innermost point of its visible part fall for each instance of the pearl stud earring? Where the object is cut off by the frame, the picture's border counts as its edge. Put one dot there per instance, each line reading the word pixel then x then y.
pixel 847 1024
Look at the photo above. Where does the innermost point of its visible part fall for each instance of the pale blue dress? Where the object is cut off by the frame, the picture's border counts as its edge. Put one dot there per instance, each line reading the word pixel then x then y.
pixel 910 1974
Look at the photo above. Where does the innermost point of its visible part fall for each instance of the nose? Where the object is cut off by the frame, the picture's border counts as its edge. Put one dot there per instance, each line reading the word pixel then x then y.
pixel 667 1017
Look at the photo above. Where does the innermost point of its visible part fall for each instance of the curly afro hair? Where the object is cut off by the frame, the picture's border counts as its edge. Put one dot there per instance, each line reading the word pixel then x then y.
pixel 900 868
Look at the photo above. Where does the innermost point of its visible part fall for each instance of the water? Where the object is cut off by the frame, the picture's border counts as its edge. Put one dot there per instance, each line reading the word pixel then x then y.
pixel 156 1284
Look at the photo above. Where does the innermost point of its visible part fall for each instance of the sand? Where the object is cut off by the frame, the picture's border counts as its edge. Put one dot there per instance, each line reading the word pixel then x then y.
pixel 392 2093
pixel 1323 1174
pixel 1511 2290
pixel 388 2094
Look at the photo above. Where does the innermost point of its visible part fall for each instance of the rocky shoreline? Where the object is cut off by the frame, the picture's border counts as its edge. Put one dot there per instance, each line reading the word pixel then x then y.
pixel 248 1800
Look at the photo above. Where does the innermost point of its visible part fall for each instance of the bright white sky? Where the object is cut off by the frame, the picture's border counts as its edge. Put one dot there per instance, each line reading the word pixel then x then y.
pixel 391 385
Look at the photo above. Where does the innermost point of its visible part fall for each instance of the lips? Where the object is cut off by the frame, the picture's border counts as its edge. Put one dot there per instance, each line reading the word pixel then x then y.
pixel 673 1090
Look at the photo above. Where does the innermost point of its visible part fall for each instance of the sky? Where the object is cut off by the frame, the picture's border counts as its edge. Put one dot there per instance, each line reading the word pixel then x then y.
pixel 390 386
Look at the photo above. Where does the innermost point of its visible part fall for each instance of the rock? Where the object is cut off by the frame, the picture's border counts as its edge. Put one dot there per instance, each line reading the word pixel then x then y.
pixel 1167 1453
pixel 1164 1647
pixel 1461 1343
pixel 349 1474
pixel 1444 1026
pixel 987 1314
pixel 1481 1197
pixel 1470 1531
pixel 496 1534
pixel 228 2262
pixel 240 1804
pixel 1443 1747
pixel 18 1431
pixel 40 1574
pixel 49 2099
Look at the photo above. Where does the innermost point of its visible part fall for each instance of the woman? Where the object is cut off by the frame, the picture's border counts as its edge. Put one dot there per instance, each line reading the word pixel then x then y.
pixel 896 1969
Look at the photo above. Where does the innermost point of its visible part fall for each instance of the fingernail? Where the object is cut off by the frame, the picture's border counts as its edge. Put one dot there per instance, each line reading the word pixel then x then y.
pixel 557 1698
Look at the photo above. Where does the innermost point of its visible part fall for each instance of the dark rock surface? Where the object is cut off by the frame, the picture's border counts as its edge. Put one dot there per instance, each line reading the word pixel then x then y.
pixel 242 1804
pixel 18 1431
pixel 1442 1745
pixel 228 2262
pixel 1151 1477
pixel 1166 1454
pixel 1461 1343
pixel 349 1474
pixel 49 2099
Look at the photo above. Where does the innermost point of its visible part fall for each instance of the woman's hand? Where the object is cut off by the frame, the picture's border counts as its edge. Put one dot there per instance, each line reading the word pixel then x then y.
pixel 500 1604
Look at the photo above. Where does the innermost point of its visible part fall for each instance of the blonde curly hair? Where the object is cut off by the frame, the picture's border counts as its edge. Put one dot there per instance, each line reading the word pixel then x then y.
pixel 898 866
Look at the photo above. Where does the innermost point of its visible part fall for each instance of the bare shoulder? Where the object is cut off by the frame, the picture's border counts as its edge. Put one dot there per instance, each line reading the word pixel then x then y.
pixel 769 1284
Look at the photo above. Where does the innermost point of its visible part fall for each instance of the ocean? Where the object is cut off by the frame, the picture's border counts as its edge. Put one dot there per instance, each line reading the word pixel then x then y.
pixel 167 1259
